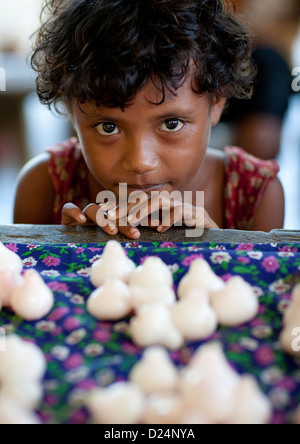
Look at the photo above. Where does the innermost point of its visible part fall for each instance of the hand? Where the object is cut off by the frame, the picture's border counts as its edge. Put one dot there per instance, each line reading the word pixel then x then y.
pixel 161 211
pixel 72 215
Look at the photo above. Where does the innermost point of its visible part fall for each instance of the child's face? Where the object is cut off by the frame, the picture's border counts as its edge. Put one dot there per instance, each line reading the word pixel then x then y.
pixel 148 146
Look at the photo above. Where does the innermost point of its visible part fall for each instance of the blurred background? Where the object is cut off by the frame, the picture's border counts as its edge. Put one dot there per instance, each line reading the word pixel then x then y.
pixel 267 126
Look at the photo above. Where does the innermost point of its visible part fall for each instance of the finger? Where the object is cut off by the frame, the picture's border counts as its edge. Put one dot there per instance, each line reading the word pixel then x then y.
pixel 71 214
pixel 170 218
pixel 143 209
pixel 199 218
pixel 118 212
pixel 107 206
pixel 130 231
pixel 124 207
pixel 96 215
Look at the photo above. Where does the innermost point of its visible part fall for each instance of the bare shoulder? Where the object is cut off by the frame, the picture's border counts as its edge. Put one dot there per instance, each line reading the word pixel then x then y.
pixel 214 173
pixel 269 215
pixel 34 193
pixel 217 157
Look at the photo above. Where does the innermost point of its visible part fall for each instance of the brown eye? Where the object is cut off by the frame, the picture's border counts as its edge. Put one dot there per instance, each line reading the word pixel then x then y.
pixel 172 125
pixel 107 129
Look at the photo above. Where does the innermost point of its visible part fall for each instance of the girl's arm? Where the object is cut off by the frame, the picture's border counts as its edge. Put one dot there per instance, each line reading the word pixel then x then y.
pixel 34 196
pixel 270 212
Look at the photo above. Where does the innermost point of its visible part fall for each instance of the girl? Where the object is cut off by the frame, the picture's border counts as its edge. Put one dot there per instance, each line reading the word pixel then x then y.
pixel 144 82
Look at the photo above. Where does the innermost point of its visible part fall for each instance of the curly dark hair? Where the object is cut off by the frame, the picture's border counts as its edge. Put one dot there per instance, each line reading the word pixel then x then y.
pixel 106 50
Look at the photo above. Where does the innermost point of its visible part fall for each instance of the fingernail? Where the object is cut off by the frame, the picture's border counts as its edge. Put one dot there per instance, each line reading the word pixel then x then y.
pixel 82 218
pixel 131 218
pixel 159 228
pixel 133 231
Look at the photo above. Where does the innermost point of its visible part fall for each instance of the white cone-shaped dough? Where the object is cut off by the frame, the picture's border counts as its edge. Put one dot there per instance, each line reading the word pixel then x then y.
pixel 113 264
pixel 10 260
pixel 163 408
pixel 289 339
pixel 208 383
pixel 153 272
pixel 33 299
pixel 9 281
pixel 155 371
pixel 144 295
pixel 236 303
pixel 153 325
pixel 194 317
pixel 11 413
pixel 199 276
pixel 26 392
pixel 21 358
pixel 120 403
pixel 251 406
pixel 292 314
pixel 111 301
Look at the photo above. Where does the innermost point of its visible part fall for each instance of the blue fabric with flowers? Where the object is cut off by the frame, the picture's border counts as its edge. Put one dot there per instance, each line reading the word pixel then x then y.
pixel 83 353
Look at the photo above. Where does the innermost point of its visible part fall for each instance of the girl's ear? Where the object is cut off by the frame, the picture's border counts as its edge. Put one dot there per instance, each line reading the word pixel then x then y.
pixel 217 109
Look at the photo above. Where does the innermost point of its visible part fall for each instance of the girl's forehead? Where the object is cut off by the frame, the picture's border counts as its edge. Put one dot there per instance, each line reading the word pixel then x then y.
pixel 152 98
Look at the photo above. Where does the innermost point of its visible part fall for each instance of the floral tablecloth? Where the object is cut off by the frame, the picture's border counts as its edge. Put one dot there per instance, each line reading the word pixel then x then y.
pixel 83 353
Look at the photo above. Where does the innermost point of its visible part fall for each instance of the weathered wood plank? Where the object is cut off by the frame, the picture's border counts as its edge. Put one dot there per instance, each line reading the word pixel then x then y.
pixel 50 234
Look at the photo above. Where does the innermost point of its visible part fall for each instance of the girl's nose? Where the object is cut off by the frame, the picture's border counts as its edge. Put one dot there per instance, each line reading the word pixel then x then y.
pixel 139 156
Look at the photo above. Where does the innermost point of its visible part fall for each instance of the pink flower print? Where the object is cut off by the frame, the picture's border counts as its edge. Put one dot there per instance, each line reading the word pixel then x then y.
pixel 288 249
pixel 78 311
pixel 79 417
pixel 73 361
pixel 189 259
pixel 12 247
pixel 57 331
pixel 270 264
pixel 32 246
pixel 79 250
pixel 262 309
pixel 94 249
pixel 130 349
pixel 243 260
pixel 71 323
pixel 168 245
pixel 257 322
pixel 101 336
pixel 57 314
pixel 51 399
pixel 245 247
pixel 88 384
pixel 58 286
pixel 51 261
pixel 132 245
pixel 226 277
pixel 264 355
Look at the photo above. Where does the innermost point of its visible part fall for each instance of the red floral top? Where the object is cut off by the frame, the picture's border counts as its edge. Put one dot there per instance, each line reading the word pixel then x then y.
pixel 246 179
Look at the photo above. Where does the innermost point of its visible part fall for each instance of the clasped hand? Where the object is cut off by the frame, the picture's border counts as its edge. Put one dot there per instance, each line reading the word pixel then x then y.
pixel 159 212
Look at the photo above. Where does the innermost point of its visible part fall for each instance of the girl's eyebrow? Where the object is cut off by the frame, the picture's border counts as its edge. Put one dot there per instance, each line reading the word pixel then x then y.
pixel 177 113
pixel 109 117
